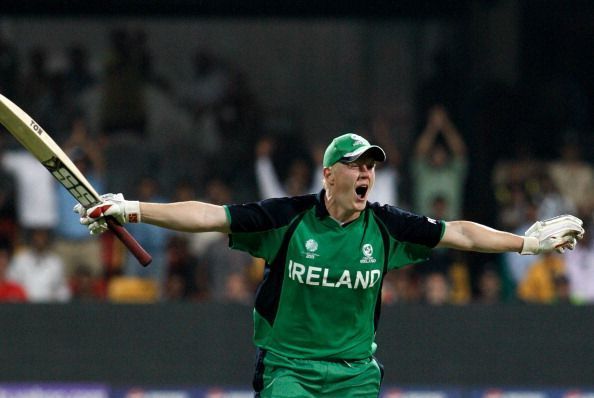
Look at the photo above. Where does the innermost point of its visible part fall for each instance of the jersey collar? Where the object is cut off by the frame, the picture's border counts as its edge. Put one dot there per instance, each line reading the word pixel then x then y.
pixel 322 211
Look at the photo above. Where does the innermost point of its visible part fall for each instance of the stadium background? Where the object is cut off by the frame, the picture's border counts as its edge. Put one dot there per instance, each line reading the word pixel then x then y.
pixel 325 67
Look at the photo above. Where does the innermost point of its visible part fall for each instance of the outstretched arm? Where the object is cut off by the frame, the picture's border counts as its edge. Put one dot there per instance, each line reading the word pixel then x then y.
pixel 471 236
pixel 555 234
pixel 190 216
pixel 185 216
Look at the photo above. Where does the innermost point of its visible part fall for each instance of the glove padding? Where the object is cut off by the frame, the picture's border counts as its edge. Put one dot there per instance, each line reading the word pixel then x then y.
pixel 113 205
pixel 557 233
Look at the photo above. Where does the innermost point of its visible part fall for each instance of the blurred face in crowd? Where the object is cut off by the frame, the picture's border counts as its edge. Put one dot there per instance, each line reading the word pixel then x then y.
pixel 490 286
pixel 40 240
pixel 437 290
pixel 348 186
pixel 439 156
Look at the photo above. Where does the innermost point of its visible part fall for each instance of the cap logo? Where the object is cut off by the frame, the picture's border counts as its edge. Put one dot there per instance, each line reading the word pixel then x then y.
pixel 358 140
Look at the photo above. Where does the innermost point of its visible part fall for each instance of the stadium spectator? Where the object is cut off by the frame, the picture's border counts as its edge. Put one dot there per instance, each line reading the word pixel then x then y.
pixel 489 285
pixel 181 267
pixel 175 287
pixel 36 201
pixel 519 167
pixel 205 97
pixel 439 165
pixel 237 289
pixel 40 270
pixel 539 285
pixel 573 175
pixel 436 289
pixel 406 285
pixel 10 291
pixel 85 286
pixel 512 210
pixel 297 182
pixel 550 200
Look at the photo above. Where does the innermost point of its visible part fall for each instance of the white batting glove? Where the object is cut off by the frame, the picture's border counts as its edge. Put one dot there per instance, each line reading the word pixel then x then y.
pixel 557 233
pixel 114 205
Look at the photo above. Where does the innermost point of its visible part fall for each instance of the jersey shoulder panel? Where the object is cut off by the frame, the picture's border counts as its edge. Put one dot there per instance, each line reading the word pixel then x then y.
pixel 269 213
pixel 405 226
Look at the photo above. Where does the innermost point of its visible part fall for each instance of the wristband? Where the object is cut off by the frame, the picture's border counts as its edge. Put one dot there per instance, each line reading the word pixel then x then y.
pixel 531 245
pixel 132 211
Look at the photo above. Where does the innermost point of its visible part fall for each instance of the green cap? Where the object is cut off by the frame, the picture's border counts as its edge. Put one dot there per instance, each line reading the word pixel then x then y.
pixel 349 147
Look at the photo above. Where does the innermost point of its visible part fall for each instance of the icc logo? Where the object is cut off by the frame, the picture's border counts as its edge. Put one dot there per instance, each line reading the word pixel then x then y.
pixel 311 246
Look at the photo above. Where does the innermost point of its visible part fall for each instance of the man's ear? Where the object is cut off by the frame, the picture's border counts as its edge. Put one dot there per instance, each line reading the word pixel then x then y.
pixel 329 175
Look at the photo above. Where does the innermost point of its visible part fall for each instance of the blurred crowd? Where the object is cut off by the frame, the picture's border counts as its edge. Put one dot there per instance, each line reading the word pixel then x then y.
pixel 130 130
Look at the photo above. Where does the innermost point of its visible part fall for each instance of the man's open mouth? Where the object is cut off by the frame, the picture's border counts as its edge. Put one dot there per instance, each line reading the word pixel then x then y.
pixel 361 191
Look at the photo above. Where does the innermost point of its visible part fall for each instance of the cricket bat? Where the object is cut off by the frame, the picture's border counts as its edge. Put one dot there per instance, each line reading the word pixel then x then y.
pixel 36 140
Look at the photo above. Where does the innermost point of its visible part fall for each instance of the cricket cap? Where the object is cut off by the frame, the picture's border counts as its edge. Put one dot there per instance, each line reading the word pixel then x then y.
pixel 348 148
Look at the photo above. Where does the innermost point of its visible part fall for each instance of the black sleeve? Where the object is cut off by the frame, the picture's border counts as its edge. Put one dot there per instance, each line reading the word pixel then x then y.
pixel 405 226
pixel 267 214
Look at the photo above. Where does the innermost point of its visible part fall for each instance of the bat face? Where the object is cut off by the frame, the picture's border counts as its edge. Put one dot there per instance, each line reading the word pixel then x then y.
pixel 71 182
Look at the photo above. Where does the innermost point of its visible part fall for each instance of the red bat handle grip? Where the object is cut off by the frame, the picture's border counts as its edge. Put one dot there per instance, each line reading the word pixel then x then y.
pixel 128 240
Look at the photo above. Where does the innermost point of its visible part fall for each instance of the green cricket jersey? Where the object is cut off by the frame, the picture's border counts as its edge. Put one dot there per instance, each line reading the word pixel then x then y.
pixel 320 297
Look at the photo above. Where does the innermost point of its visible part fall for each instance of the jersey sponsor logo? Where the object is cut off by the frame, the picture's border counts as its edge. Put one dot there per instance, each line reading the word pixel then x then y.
pixel 367 258
pixel 431 220
pixel 321 276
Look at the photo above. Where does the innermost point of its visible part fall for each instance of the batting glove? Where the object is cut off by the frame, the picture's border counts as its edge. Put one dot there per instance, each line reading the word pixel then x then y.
pixel 113 205
pixel 555 234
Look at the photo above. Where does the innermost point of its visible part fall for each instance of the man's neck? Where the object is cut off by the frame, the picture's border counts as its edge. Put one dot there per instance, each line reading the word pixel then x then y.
pixel 340 215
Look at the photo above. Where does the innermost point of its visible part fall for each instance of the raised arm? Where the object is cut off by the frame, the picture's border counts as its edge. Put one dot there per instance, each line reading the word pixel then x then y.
pixel 427 137
pixel 190 216
pixel 451 134
pixel 268 181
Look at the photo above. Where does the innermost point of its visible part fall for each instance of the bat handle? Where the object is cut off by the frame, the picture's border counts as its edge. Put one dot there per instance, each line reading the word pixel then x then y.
pixel 128 240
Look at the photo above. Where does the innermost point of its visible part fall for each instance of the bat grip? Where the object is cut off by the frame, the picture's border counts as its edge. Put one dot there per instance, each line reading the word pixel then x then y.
pixel 128 240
